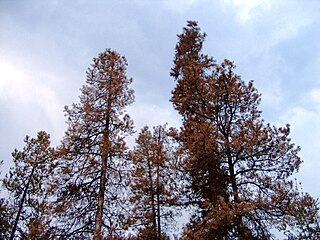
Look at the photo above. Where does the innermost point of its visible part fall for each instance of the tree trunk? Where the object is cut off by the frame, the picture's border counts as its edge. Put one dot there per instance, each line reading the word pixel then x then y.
pixel 102 187
pixel 243 232
pixel 99 212
pixel 154 218
pixel 158 203
pixel 105 148
pixel 25 190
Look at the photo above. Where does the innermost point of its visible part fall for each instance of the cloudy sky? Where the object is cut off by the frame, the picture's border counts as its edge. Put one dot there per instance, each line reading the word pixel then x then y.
pixel 46 47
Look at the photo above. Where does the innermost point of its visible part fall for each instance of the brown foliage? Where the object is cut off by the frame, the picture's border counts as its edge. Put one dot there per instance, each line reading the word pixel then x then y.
pixel 93 152
pixel 224 161
pixel 153 184
pixel 28 183
pixel 236 162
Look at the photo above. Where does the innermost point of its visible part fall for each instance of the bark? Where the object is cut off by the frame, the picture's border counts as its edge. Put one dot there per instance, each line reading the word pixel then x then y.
pixel 158 204
pixel 15 225
pixel 154 221
pixel 99 213
pixel 102 187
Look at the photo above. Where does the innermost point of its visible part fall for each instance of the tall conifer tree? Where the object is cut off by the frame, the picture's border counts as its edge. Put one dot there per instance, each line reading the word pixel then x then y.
pixel 153 183
pixel 238 165
pixel 93 151
pixel 28 184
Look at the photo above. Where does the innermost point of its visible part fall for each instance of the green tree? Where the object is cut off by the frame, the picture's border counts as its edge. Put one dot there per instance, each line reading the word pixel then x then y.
pixel 238 166
pixel 28 183
pixel 93 152
pixel 153 183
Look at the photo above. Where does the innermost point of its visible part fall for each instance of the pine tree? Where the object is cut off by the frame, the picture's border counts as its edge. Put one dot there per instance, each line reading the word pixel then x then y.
pixel 5 216
pixel 305 220
pixel 238 165
pixel 5 219
pixel 28 183
pixel 93 152
pixel 153 183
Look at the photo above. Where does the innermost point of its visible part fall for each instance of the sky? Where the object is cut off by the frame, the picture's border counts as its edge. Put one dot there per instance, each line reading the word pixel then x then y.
pixel 47 46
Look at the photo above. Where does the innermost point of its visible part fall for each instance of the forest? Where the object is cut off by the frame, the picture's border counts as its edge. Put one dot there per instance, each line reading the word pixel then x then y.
pixel 232 172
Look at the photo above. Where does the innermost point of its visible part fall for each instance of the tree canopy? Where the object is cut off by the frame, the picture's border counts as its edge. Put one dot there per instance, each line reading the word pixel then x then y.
pixel 28 183
pixel 225 165
pixel 153 182
pixel 93 151
pixel 239 166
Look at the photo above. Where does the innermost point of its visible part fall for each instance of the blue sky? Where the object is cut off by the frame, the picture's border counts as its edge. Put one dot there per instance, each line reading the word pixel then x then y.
pixel 46 47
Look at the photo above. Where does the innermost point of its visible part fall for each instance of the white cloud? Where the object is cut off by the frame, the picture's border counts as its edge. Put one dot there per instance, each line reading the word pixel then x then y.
pixel 180 6
pixel 273 21
pixel 13 83
pixel 153 115
pixel 247 8
pixel 305 131
pixel 30 100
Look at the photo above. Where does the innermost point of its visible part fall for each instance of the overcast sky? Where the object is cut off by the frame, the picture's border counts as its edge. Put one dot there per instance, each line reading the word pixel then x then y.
pixel 46 47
